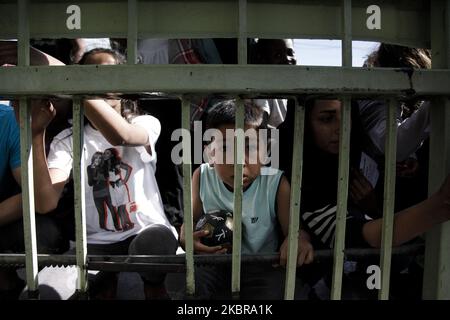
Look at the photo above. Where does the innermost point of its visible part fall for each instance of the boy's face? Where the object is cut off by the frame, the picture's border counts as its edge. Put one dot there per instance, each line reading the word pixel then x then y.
pixel 325 124
pixel 224 150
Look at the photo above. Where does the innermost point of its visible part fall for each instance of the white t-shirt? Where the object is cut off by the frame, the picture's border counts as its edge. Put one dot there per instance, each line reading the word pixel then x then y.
pixel 275 108
pixel 121 193
pixel 94 43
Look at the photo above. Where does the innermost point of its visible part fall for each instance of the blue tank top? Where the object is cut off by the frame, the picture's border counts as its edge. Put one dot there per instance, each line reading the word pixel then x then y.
pixel 259 218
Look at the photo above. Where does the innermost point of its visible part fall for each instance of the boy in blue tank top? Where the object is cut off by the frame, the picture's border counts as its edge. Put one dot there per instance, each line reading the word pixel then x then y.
pixel 265 206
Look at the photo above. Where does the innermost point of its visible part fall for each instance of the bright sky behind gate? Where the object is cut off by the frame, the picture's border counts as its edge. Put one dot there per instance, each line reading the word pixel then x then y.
pixel 328 52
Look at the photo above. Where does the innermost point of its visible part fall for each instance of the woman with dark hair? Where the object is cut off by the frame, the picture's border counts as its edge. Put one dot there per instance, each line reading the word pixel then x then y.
pixel 319 187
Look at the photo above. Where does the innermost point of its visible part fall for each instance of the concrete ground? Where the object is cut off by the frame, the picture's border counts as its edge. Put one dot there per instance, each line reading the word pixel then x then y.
pixel 58 283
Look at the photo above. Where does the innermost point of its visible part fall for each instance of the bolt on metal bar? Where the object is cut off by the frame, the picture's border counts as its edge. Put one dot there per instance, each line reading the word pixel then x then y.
pixel 239 143
pixel 132 32
pixel 389 198
pixel 26 157
pixel 294 210
pixel 342 193
pixel 79 195
pixel 187 196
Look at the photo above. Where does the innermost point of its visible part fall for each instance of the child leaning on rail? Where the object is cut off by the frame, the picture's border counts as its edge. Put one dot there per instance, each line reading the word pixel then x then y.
pixel 319 192
pixel 124 213
pixel 320 185
pixel 265 204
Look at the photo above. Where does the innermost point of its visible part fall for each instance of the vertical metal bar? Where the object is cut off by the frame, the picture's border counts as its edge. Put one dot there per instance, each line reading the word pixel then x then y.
pixel 242 40
pixel 344 150
pixel 239 160
pixel 347 33
pixel 24 33
pixel 294 216
pixel 237 214
pixel 26 157
pixel 339 244
pixel 437 251
pixel 79 196
pixel 29 222
pixel 389 199
pixel 187 196
pixel 132 32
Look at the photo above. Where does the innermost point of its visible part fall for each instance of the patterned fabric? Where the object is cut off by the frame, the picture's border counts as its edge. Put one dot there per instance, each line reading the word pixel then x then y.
pixel 181 51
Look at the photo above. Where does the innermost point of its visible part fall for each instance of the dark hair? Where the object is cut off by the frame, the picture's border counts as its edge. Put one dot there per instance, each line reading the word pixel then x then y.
pixel 357 133
pixel 320 168
pixel 395 56
pixel 129 108
pixel 270 51
pixel 118 57
pixel 223 113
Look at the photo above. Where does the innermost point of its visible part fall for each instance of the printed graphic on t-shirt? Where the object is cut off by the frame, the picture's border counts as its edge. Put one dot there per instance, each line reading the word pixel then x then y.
pixel 108 175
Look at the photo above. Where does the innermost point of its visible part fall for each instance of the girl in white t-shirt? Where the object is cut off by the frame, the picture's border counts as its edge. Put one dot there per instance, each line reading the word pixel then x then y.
pixel 134 224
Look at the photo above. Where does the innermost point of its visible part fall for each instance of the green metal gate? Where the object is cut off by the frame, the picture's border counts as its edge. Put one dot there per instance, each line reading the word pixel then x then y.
pixel 417 23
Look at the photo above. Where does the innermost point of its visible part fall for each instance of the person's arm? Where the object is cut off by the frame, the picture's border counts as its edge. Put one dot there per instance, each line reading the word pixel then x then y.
pixel 113 126
pixel 128 170
pixel 11 208
pixel 410 133
pixel 48 183
pixel 305 250
pixel 8 55
pixel 197 209
pixel 78 49
pixel 91 174
pixel 413 131
pixel 413 221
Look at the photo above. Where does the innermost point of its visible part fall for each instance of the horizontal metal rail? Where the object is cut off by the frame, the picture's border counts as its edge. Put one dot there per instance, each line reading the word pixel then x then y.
pixel 96 262
pixel 230 79
pixel 402 22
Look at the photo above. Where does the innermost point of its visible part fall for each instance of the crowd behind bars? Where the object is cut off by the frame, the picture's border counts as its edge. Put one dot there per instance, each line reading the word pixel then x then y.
pixel 134 190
